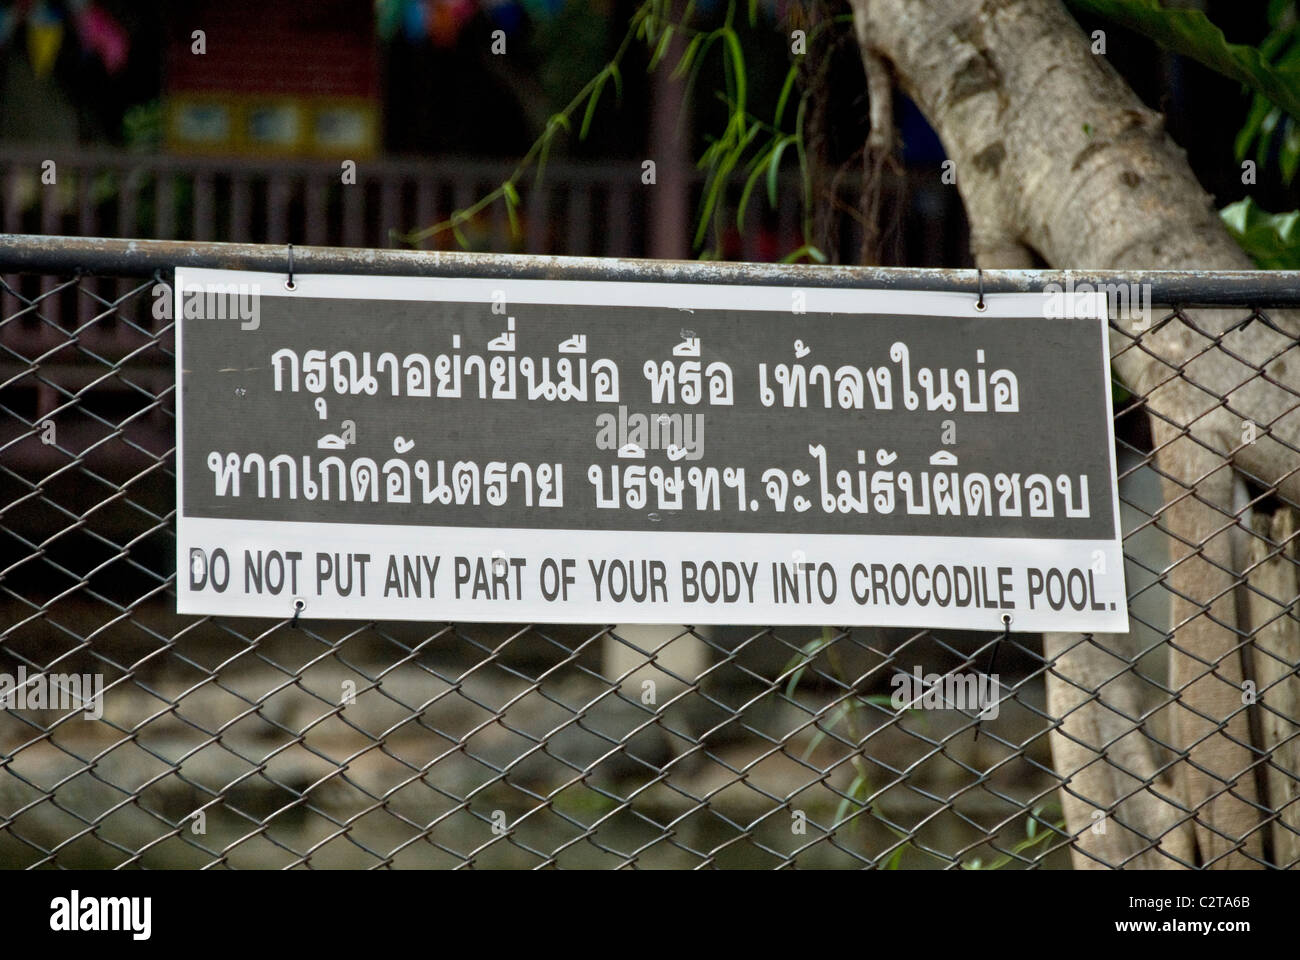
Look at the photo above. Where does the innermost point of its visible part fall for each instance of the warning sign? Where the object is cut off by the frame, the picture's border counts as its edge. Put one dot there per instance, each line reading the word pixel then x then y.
pixel 570 451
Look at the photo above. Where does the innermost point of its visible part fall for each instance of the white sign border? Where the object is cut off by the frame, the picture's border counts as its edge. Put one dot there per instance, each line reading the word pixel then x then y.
pixel 686 297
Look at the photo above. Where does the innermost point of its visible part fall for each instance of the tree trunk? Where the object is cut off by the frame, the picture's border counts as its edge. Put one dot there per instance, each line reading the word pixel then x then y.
pixel 1056 156
pixel 1277 652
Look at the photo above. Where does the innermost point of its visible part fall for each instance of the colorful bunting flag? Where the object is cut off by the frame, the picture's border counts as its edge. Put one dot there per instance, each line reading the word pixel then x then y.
pixel 45 25
pixel 104 36
pixel 388 16
pixel 415 23
pixel 44 39
pixel 446 20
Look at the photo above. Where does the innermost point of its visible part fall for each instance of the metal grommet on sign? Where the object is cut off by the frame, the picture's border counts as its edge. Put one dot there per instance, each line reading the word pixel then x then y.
pixel 980 305
pixel 298 605
pixel 289 284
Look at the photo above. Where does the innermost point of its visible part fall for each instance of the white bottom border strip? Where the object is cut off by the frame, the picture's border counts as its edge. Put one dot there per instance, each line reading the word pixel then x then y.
pixel 498 575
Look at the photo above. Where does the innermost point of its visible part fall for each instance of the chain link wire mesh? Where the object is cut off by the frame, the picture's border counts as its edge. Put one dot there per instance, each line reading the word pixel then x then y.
pixel 234 743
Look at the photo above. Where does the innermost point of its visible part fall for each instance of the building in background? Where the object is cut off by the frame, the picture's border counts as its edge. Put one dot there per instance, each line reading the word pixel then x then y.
pixel 284 79
pixel 243 140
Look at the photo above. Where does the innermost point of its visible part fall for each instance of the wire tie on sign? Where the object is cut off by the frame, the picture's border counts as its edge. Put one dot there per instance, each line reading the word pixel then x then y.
pixel 993 661
pixel 297 609
pixel 289 284
pixel 980 305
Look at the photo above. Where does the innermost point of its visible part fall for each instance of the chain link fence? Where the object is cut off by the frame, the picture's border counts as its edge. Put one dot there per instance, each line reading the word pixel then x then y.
pixel 218 742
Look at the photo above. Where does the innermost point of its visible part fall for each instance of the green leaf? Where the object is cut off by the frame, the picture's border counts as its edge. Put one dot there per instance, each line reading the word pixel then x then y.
pixel 688 57
pixel 1271 239
pixel 1190 33
pixel 1290 153
pixel 756 171
pixel 717 182
pixel 618 81
pixel 1260 108
pixel 514 218
pixel 706 40
pixel 591 104
pixel 737 66
pixel 714 150
pixel 838 714
pixel 790 77
pixel 807 250
pixel 512 205
pixel 801 660
pixel 1266 134
pixel 1277 40
pixel 805 171
pixel 859 781
pixel 879 699
pixel 774 167
pixel 895 857
pixel 542 157
pixel 661 48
